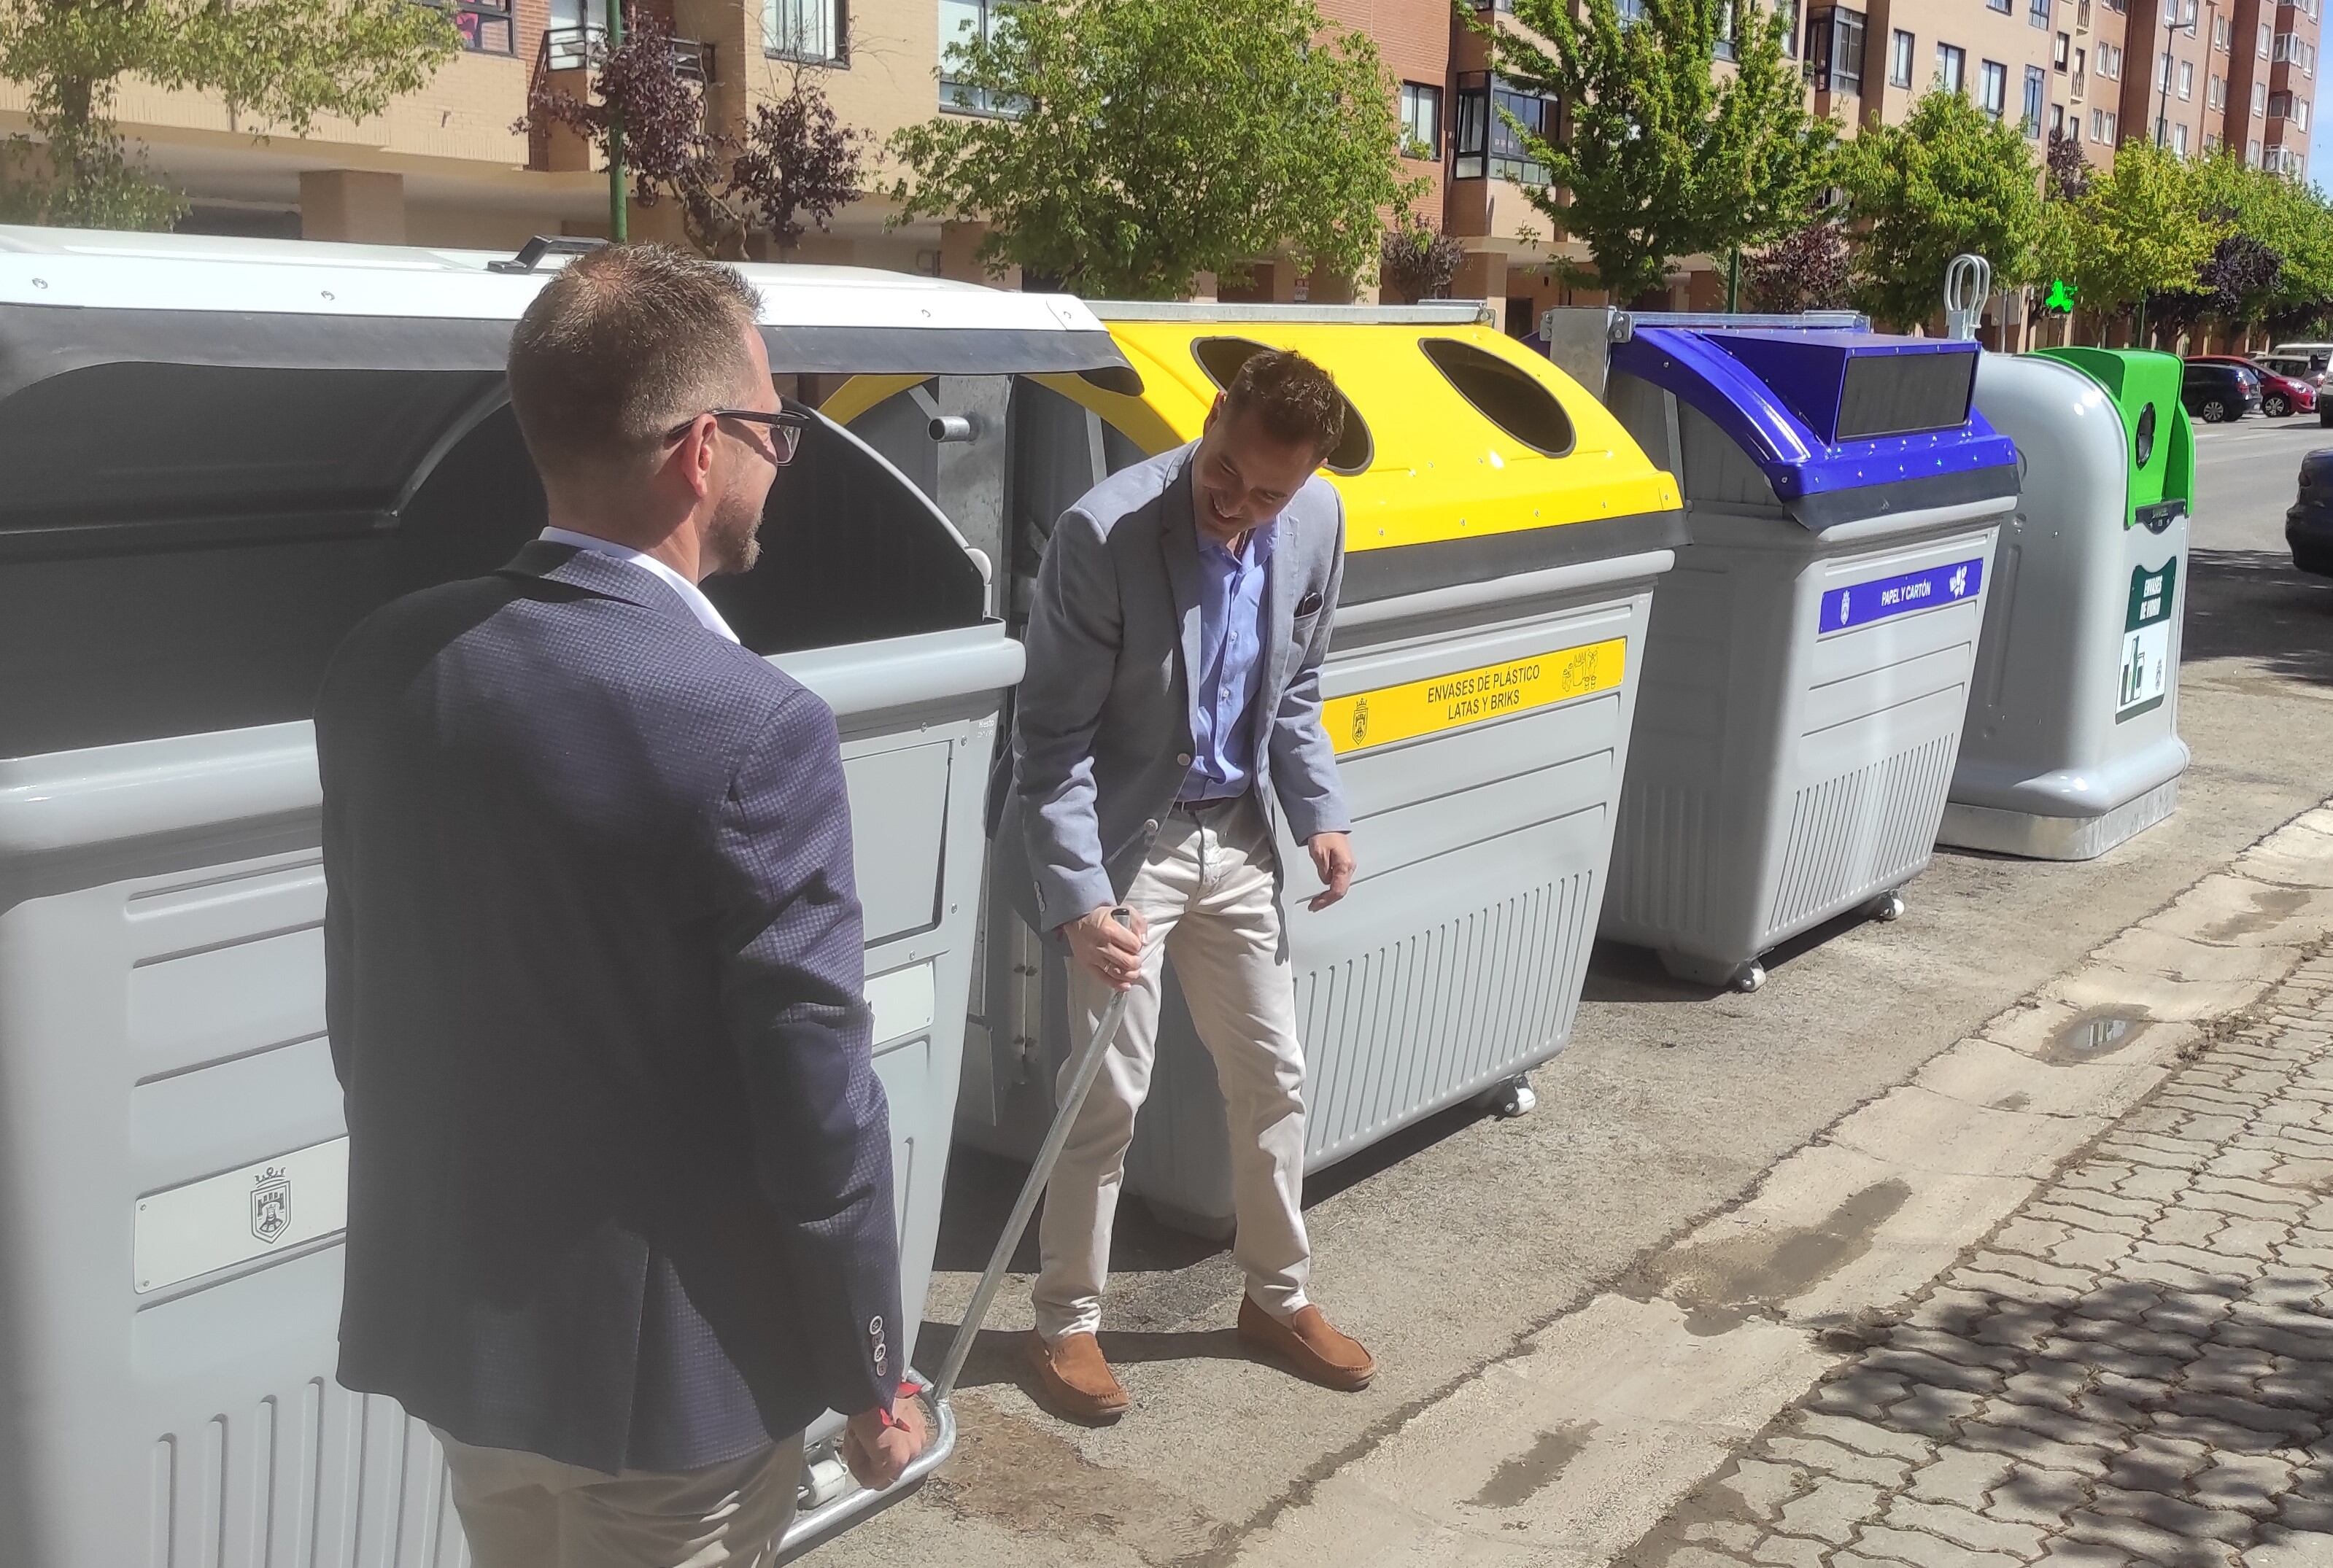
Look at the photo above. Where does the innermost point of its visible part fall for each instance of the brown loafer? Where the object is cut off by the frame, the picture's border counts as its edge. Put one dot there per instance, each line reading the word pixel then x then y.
pixel 1311 1348
pixel 1073 1381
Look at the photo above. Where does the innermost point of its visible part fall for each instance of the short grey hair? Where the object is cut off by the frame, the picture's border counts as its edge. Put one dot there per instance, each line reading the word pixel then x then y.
pixel 624 343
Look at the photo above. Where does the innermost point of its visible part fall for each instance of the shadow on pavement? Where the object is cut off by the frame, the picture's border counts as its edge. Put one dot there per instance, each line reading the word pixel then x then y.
pixel 2251 604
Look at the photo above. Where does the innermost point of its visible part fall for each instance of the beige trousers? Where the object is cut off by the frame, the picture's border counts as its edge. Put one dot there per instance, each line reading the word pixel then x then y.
pixel 522 1510
pixel 1206 891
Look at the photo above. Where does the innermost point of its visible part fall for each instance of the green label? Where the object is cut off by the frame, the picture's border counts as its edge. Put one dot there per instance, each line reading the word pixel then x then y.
pixel 2146 640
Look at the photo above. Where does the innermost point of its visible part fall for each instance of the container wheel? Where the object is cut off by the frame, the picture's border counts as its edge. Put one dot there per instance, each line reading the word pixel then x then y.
pixel 1750 976
pixel 1887 906
pixel 1513 1098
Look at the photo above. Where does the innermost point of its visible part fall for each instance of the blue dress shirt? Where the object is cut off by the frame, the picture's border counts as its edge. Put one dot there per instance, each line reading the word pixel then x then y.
pixel 1231 668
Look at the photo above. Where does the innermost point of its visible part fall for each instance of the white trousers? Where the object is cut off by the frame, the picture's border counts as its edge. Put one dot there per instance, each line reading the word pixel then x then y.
pixel 1206 891
pixel 523 1510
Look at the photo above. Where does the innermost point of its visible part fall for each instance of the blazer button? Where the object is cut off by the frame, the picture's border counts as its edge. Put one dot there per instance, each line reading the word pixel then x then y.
pixel 1182 760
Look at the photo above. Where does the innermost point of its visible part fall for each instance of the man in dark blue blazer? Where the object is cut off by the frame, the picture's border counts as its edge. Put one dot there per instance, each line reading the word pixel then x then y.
pixel 620 1188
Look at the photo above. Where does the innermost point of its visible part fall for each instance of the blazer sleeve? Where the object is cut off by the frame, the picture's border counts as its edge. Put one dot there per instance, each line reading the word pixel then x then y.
pixel 1075 627
pixel 1304 763
pixel 793 992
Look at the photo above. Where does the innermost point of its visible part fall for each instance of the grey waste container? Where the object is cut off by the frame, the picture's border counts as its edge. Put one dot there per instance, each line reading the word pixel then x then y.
pixel 1502 535
pixel 2073 744
pixel 1808 662
pixel 219 457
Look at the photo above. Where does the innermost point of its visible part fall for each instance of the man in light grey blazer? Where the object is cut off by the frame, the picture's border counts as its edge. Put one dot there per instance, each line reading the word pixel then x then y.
pixel 1170 713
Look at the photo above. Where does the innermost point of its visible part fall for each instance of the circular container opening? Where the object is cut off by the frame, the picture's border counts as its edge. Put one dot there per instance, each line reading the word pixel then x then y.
pixel 1221 358
pixel 2146 442
pixel 1503 393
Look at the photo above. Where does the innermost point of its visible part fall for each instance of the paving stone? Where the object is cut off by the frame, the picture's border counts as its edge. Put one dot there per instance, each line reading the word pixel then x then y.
pixel 1966 1477
pixel 1933 1412
pixel 1917 1367
pixel 1860 1393
pixel 1863 1437
pixel 2148 1542
pixel 1963 1526
pixel 2291 1549
pixel 1831 1512
pixel 2065 1553
pixel 2044 1497
pixel 1924 1550
pixel 2247 1483
pixel 1788 1551
pixel 1958 1349
pixel 1829 1459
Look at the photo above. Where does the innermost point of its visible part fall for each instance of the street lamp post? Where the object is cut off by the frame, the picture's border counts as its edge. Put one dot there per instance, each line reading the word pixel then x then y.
pixel 619 213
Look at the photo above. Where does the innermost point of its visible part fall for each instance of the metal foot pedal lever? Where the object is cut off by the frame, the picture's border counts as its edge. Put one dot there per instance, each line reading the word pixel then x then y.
pixel 818 1524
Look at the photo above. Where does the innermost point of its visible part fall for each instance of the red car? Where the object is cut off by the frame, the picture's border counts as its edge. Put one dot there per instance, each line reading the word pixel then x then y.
pixel 2280 395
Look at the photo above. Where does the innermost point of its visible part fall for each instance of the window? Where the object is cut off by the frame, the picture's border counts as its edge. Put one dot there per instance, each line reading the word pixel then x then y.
pixel 2061 52
pixel 2037 13
pixel 2001 6
pixel 2186 80
pixel 1899 59
pixel 2253 153
pixel 2215 92
pixel 2221 30
pixel 2179 140
pixel 962 21
pixel 2081 59
pixel 2110 61
pixel 2102 127
pixel 806 29
pixel 2267 34
pixel 1421 121
pixel 2163 72
pixel 1483 144
pixel 1835 50
pixel 2259 99
pixel 1992 87
pixel 1952 68
pixel 2213 144
pixel 485 26
pixel 2037 88
pixel 1788 10
pixel 2058 120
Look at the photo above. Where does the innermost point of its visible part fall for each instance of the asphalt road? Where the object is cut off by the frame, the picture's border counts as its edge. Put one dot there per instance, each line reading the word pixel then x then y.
pixel 1446 1247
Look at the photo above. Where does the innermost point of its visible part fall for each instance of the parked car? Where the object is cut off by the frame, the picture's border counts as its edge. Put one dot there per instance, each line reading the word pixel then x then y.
pixel 2319 355
pixel 2216 393
pixel 2309 525
pixel 2309 367
pixel 2280 394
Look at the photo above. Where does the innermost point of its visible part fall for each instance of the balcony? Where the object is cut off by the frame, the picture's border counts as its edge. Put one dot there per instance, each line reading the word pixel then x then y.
pixel 569 49
pixel 564 60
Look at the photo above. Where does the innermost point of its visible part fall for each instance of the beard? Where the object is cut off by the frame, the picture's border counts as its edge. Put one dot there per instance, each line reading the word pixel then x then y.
pixel 732 540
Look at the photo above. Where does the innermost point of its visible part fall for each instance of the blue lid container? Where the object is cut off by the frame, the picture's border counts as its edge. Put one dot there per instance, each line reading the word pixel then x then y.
pixel 1844 423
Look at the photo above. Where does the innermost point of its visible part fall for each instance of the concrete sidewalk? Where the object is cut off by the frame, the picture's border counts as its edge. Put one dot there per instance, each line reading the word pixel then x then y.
pixel 1591 1430
pixel 1694 1156
pixel 2136 1367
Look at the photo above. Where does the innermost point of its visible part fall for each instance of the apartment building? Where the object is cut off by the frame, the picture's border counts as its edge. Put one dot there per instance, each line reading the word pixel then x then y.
pixel 2268 55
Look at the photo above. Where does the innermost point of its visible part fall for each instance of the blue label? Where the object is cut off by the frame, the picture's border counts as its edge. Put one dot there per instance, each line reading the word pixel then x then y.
pixel 1865 602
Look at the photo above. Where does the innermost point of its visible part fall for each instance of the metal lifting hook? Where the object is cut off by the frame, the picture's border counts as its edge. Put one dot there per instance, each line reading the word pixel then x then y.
pixel 1968 281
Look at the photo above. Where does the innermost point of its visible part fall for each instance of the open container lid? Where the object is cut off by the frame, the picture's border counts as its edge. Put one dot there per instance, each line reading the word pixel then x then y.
pixel 1845 423
pixel 2144 385
pixel 70 298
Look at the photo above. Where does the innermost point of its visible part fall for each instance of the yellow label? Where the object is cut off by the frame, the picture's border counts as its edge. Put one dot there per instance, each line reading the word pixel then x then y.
pixel 1462 697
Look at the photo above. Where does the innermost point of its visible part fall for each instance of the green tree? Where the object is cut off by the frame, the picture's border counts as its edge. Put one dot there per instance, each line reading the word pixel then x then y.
pixel 277 63
pixel 1143 142
pixel 2139 230
pixel 2288 218
pixel 1663 156
pixel 1950 179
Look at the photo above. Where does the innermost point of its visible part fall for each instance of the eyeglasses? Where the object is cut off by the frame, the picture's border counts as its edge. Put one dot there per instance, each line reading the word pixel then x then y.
pixel 785 427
